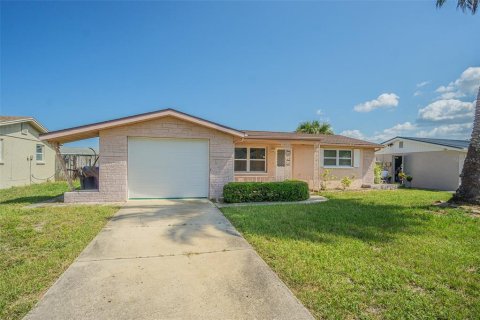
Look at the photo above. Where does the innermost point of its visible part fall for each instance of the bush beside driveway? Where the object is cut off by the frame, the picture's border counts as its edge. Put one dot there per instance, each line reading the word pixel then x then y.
pixel 37 245
pixel 373 255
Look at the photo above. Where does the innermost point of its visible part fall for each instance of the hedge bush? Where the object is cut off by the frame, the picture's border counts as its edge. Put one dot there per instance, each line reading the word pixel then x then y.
pixel 290 190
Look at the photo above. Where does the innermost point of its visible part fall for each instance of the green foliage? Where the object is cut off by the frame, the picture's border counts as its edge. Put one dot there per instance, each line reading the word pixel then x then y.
pixel 291 190
pixel 464 5
pixel 371 255
pixel 326 176
pixel 347 181
pixel 314 127
pixel 402 176
pixel 409 178
pixel 377 173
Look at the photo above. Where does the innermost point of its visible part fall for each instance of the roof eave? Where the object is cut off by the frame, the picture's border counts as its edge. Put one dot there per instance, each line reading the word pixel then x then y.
pixel 92 130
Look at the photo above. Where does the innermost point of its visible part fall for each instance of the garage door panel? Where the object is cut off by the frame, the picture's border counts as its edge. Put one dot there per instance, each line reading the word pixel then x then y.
pixel 167 168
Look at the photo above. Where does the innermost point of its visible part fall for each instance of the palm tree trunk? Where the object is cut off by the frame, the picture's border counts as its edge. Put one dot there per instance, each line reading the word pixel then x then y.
pixel 469 190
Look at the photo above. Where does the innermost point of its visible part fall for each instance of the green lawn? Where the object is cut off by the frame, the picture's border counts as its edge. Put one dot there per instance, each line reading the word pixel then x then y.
pixel 372 255
pixel 37 245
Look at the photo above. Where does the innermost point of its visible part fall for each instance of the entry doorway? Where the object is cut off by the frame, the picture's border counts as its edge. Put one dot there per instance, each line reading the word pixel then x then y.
pixel 397 167
pixel 282 161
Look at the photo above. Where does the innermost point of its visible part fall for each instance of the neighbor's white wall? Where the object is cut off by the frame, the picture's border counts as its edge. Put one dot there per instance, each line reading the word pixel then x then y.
pixel 409 146
pixel 15 170
pixel 435 170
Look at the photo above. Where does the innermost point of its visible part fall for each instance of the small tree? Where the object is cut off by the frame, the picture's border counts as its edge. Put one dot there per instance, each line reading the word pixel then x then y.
pixel 326 176
pixel 377 174
pixel 347 182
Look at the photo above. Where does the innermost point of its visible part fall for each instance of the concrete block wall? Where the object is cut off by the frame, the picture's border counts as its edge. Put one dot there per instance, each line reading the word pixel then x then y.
pixel 113 186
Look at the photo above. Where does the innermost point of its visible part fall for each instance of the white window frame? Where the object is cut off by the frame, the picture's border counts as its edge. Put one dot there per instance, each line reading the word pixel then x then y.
pixel 337 158
pixel 42 153
pixel 248 160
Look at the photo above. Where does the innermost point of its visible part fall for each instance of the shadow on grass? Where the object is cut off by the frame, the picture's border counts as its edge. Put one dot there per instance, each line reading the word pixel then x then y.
pixel 352 218
pixel 31 199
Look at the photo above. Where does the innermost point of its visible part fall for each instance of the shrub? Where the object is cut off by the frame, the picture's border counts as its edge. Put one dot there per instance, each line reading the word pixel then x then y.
pixel 347 181
pixel 409 178
pixel 290 190
pixel 377 174
pixel 326 176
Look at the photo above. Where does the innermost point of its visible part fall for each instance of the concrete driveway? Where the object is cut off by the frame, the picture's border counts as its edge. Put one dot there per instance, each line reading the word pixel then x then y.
pixel 162 259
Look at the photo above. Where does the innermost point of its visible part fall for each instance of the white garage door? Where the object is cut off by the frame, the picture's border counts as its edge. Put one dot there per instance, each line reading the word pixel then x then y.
pixel 167 168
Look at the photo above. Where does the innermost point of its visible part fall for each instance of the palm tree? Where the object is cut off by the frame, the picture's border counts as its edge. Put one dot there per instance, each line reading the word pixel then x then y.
pixel 469 190
pixel 465 5
pixel 314 127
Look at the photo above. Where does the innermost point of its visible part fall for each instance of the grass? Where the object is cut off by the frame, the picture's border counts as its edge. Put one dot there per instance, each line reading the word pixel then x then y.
pixel 371 255
pixel 37 245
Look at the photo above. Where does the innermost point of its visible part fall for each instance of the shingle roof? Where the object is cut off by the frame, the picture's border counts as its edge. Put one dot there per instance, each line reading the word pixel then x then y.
pixel 459 144
pixel 12 118
pixel 327 139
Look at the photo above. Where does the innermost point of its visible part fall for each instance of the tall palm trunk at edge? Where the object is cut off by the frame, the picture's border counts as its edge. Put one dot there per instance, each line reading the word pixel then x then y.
pixel 469 190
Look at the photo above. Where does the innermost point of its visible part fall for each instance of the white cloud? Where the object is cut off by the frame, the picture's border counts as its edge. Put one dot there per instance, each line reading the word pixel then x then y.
pixel 452 131
pixel 353 134
pixel 385 100
pixel 417 93
pixel 320 112
pixel 422 84
pixel 405 128
pixel 448 110
pixel 466 85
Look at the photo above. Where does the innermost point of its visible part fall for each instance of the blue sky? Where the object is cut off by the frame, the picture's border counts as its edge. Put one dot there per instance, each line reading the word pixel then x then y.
pixel 372 69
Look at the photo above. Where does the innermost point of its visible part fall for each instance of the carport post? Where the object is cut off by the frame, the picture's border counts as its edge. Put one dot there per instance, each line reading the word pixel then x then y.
pixel 60 159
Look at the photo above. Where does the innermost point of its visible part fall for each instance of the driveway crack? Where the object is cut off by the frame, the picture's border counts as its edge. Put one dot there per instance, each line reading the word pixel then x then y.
pixel 188 254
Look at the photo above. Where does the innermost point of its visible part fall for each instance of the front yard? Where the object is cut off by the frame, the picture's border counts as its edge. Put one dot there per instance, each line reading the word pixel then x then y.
pixel 372 255
pixel 37 245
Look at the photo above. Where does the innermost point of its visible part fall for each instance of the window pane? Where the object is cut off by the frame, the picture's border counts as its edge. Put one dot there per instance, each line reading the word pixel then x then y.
pixel 345 162
pixel 39 152
pixel 257 165
pixel 240 153
pixel 330 153
pixel 345 154
pixel 280 158
pixel 329 162
pixel 240 165
pixel 257 153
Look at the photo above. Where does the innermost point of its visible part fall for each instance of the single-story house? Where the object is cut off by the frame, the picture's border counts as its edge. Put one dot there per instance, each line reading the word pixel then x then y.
pixel 171 154
pixel 24 159
pixel 433 163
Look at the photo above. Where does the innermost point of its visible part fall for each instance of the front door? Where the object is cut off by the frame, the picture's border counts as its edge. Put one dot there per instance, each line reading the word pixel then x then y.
pixel 397 167
pixel 282 164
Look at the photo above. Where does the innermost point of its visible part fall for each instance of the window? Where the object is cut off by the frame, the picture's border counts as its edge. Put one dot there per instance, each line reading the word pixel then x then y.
pixel 400 144
pixel 39 152
pixel 337 158
pixel 250 160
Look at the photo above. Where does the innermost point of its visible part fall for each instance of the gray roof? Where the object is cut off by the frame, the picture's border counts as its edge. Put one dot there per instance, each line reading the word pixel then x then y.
pixel 459 144
pixel 78 150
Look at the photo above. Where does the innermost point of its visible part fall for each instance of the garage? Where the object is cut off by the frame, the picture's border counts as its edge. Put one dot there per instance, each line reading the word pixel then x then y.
pixel 167 168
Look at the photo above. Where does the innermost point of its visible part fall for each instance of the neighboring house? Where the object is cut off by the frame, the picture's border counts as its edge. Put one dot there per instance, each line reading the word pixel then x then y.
pixel 24 159
pixel 170 154
pixel 75 158
pixel 433 163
